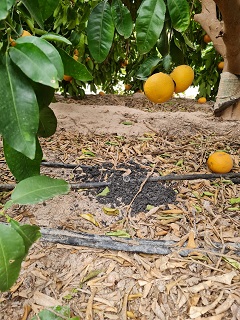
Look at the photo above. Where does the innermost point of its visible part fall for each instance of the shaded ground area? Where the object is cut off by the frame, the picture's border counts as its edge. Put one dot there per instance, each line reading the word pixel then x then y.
pixel 115 138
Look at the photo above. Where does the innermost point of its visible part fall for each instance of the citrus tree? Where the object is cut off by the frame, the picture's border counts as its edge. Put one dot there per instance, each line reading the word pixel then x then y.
pixel 221 22
pixel 31 69
pixel 49 45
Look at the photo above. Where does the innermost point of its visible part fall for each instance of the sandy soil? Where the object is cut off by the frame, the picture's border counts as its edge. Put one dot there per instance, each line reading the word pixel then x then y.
pixel 172 138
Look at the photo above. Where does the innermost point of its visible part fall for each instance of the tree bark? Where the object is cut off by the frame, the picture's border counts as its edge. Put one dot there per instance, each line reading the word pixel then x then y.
pixel 225 37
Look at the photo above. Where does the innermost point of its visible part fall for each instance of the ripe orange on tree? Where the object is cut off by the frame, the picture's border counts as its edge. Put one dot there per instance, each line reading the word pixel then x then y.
pixel 207 39
pixel 101 93
pixel 220 162
pixel 202 100
pixel 67 78
pixel 159 87
pixel 24 34
pixel 182 76
pixel 221 65
pixel 127 86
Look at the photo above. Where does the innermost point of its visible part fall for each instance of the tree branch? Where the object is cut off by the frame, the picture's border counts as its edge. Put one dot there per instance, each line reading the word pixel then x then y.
pixel 213 27
pixel 231 16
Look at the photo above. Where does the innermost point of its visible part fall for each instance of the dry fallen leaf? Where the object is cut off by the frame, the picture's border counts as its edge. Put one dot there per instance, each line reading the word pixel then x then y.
pixel 195 312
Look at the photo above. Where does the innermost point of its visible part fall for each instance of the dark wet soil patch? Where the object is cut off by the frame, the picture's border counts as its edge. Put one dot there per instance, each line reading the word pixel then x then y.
pixel 126 180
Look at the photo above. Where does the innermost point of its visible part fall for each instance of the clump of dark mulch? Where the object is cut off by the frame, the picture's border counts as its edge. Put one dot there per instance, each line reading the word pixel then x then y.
pixel 125 180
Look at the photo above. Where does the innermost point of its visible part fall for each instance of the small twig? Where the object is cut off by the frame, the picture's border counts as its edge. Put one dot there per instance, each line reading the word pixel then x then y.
pixel 140 189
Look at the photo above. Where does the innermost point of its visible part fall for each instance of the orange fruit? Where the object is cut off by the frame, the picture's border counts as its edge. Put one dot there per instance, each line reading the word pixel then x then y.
pixel 25 33
pixel 101 93
pixel 207 39
pixel 221 65
pixel 182 76
pixel 159 87
pixel 127 87
pixel 220 162
pixel 12 42
pixel 76 52
pixel 67 78
pixel 202 100
pixel 75 57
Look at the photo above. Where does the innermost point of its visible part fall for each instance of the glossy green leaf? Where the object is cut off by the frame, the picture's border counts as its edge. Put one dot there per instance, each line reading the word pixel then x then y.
pixel 47 123
pixel 55 37
pixel 149 24
pixel 21 166
pixel 74 68
pixel 163 43
pixel 34 10
pixel 35 64
pixel 122 18
pixel 12 252
pixel 19 109
pixel 167 60
pixel 44 94
pixel 47 7
pixel 147 67
pixel 47 48
pixel 179 12
pixel 39 188
pixel 29 233
pixel 5 5
pixel 100 31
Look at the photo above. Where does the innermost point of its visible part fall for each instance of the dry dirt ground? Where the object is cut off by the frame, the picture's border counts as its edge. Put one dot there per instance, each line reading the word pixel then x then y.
pixel 127 140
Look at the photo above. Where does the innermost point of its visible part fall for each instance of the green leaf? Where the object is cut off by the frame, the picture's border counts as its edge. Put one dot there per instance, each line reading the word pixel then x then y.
pixel 47 123
pixel 5 6
pixel 104 193
pixel 179 12
pixel 118 233
pixel 21 166
pixel 122 18
pixel 74 68
pixel 29 233
pixel 12 252
pixel 39 188
pixel 163 42
pixel 35 64
pixel 58 313
pixel 34 9
pixel 147 67
pixel 167 60
pixel 149 24
pixel 100 31
pixel 47 7
pixel 19 110
pixel 235 264
pixel 44 94
pixel 48 49
pixel 234 200
pixel 55 37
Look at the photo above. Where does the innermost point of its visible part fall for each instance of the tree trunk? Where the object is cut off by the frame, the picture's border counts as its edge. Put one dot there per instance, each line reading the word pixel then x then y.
pixel 225 37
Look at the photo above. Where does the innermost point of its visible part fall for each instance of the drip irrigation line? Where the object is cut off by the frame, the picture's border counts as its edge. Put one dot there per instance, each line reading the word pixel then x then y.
pixel 136 245
pixel 162 247
pixel 234 177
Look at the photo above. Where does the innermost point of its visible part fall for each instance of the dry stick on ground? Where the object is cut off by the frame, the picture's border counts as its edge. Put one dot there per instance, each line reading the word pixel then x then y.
pixel 140 189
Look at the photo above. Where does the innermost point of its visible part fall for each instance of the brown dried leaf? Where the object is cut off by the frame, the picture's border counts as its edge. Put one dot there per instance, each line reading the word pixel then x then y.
pixel 195 312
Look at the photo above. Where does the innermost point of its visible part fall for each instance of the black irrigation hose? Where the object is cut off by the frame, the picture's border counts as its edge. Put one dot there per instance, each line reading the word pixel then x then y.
pixel 234 177
pixel 162 247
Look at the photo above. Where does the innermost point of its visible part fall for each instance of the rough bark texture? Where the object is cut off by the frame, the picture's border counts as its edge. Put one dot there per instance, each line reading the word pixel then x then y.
pixel 226 40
